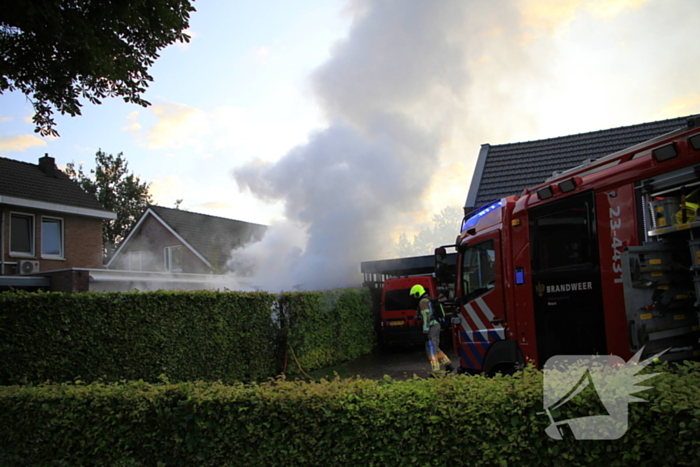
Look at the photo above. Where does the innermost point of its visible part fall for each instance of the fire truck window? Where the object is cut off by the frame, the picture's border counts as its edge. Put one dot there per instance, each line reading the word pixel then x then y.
pixel 478 269
pixel 563 238
pixel 399 299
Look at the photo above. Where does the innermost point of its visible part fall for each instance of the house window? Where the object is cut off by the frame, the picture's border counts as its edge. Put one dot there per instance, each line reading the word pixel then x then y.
pixel 21 234
pixel 133 261
pixel 52 237
pixel 173 258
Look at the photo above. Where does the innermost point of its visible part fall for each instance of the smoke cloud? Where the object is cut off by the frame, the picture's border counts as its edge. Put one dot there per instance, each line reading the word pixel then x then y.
pixel 392 94
pixel 340 190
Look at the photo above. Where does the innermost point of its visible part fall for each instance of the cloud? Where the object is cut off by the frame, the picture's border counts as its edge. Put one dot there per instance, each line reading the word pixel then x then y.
pixel 214 206
pixel 265 54
pixel 176 125
pixel 165 190
pixel 233 127
pixel 225 131
pixel 608 9
pixel 246 133
pixel 20 143
pixel 685 105
pixel 547 16
pixel 133 127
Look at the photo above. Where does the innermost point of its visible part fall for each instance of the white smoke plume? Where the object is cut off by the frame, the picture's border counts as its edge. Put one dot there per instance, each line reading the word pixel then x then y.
pixel 391 93
pixel 339 190
pixel 418 85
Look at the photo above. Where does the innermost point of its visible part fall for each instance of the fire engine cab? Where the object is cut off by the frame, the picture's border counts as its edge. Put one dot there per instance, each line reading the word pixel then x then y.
pixel 602 259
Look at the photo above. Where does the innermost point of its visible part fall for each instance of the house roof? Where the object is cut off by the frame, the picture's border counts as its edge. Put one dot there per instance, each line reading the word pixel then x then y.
pixel 507 169
pixel 210 237
pixel 44 186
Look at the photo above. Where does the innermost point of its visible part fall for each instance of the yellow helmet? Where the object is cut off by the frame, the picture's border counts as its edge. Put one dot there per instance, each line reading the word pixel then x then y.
pixel 417 291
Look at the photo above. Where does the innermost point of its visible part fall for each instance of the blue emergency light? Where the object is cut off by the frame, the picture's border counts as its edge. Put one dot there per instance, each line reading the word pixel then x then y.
pixel 472 221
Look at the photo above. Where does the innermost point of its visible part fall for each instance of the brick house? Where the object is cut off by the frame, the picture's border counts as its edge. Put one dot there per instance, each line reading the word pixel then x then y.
pixel 179 241
pixel 507 169
pixel 47 223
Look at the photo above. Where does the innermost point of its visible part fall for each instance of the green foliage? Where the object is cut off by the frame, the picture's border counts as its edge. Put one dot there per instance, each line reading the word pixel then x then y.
pixel 457 421
pixel 186 336
pixel 116 190
pixel 58 51
pixel 441 231
pixel 327 327
pixel 170 340
pixel 131 336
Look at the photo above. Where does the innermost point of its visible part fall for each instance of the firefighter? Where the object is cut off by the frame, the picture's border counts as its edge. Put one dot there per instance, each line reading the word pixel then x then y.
pixel 431 329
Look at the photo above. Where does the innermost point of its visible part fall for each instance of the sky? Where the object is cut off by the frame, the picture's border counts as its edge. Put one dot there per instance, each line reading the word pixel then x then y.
pixel 344 123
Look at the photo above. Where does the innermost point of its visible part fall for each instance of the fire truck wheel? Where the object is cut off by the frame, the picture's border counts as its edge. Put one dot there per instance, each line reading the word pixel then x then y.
pixel 506 369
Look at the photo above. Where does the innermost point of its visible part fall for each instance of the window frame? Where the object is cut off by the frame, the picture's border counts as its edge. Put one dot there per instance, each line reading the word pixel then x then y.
pixel 168 258
pixel 485 284
pixel 62 237
pixel 585 235
pixel 32 236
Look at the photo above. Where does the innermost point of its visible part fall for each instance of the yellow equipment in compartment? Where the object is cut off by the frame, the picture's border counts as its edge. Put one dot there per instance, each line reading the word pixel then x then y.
pixel 689 206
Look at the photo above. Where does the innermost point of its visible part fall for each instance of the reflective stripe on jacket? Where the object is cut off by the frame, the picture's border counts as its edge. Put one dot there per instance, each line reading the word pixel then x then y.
pixel 426 313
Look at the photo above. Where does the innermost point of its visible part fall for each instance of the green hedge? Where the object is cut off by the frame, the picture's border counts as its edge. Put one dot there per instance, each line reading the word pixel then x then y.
pixel 457 421
pixel 182 336
pixel 326 328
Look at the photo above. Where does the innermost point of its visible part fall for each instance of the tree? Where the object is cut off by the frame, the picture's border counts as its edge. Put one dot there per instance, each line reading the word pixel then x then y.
pixel 57 51
pixel 441 231
pixel 117 191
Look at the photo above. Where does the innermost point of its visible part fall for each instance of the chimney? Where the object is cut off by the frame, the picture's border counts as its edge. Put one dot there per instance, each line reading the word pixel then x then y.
pixel 48 165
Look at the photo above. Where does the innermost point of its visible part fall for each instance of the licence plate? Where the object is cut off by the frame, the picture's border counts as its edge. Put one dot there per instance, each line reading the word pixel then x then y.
pixel 397 322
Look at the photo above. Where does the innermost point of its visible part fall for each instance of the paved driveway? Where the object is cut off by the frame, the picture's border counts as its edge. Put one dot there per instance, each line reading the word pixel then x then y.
pixel 398 363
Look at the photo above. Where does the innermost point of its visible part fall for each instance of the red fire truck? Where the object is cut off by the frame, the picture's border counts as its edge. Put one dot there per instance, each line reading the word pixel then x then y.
pixel 602 259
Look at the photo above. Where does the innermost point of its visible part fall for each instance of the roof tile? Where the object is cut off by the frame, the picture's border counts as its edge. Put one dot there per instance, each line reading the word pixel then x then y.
pixel 27 181
pixel 213 237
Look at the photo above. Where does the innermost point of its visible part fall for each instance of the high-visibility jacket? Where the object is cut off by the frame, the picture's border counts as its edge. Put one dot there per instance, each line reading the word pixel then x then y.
pixel 426 312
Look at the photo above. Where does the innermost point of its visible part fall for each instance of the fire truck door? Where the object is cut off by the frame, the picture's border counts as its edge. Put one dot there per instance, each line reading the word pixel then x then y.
pixel 568 303
pixel 482 298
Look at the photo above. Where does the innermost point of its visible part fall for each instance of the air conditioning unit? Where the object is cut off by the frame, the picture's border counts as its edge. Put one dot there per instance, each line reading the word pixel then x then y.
pixel 28 267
